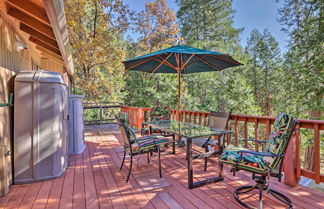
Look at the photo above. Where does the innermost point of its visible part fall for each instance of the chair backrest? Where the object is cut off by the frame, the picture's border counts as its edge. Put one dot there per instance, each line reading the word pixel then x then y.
pixel 218 119
pixel 125 131
pixel 160 113
pixel 124 117
pixel 279 139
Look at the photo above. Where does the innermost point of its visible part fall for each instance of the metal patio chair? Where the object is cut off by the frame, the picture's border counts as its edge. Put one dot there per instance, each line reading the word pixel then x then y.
pixel 140 145
pixel 215 120
pixel 264 164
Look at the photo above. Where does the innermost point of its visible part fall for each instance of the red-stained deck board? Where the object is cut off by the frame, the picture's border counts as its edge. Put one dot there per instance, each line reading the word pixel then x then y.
pixel 93 180
pixel 54 197
pixel 89 183
pixel 31 195
pixel 18 196
pixel 42 197
pixel 78 187
pixel 139 193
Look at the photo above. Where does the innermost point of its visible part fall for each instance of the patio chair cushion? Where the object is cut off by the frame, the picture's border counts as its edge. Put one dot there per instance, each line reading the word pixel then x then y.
pixel 145 143
pixel 276 144
pixel 231 155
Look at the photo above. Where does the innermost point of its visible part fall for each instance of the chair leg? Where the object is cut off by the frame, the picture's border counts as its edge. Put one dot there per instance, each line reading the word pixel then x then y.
pixel 121 166
pixel 148 157
pixel 160 169
pixel 130 168
pixel 261 184
pixel 206 159
pixel 173 144
pixel 260 196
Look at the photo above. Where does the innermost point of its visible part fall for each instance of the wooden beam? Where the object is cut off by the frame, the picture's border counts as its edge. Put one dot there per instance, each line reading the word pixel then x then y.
pixel 31 9
pixel 38 35
pixel 32 22
pixel 46 51
pixel 53 59
pixel 46 46
pixel 56 16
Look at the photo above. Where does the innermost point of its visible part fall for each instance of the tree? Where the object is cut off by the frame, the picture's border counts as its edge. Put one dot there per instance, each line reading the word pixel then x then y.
pixel 304 61
pixel 262 69
pixel 157 29
pixel 209 25
pixel 96 36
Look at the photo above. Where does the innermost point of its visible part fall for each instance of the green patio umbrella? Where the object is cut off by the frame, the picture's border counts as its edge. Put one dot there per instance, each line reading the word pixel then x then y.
pixel 181 59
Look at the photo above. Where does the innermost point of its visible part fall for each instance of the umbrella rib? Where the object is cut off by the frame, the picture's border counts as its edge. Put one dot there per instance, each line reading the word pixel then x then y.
pixel 193 62
pixel 208 63
pixel 162 62
pixel 235 62
pixel 187 60
pixel 139 64
pixel 184 69
pixel 167 62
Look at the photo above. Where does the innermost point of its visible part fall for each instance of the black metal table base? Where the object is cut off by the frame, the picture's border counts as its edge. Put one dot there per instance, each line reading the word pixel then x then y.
pixel 191 184
pixel 205 182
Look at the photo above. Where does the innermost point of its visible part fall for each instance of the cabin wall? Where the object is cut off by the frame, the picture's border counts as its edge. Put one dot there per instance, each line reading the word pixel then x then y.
pixel 13 60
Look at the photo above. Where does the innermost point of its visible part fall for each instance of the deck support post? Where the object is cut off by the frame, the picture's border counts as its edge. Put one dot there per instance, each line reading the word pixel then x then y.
pixel 290 163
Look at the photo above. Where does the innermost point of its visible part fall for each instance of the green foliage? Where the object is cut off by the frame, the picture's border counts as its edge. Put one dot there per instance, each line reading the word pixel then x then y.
pixel 270 82
pixel 263 69
pixel 303 65
pixel 158 29
pixel 209 25
pixel 96 36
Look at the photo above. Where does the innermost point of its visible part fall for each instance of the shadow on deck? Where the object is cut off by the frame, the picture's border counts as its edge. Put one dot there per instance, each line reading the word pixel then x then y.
pixel 93 180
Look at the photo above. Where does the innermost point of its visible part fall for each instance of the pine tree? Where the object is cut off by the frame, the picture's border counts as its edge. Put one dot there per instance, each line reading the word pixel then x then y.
pixel 157 29
pixel 263 69
pixel 208 24
pixel 304 62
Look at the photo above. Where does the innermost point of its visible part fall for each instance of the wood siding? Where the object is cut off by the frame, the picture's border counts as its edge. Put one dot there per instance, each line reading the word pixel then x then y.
pixel 13 60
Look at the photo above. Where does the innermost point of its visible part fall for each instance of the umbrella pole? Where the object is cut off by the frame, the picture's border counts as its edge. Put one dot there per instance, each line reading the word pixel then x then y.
pixel 179 95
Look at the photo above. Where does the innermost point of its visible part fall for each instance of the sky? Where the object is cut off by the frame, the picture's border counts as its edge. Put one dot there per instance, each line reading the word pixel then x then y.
pixel 250 14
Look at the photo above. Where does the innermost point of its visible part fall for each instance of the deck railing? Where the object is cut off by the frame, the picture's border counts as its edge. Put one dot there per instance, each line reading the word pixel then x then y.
pixel 258 127
pixel 100 113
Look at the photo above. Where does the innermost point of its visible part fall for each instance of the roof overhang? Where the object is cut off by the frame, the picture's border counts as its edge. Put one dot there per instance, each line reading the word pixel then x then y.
pixel 44 23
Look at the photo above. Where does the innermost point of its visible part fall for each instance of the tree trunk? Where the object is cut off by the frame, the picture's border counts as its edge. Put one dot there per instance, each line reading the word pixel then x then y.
pixel 309 158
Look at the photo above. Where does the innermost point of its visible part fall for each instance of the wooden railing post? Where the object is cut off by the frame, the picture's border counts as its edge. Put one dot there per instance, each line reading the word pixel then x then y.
pixel 100 115
pixel 256 134
pixel 245 133
pixel 317 162
pixel 140 118
pixel 290 163
pixel 236 129
pixel 298 162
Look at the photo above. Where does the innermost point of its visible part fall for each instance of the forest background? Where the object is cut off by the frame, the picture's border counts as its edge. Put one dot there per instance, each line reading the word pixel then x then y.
pixel 269 82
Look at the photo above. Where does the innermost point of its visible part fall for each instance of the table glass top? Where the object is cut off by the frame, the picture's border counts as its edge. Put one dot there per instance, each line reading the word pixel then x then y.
pixel 185 129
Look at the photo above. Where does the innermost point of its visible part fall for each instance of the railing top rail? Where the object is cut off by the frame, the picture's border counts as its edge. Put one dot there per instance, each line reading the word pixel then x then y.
pixel 143 108
pixel 304 123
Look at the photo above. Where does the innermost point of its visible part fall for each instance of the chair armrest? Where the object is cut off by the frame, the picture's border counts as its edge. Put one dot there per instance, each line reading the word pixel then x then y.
pixel 254 140
pixel 168 135
pixel 261 153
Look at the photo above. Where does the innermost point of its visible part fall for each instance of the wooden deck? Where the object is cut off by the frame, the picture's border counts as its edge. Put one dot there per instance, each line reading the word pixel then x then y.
pixel 93 180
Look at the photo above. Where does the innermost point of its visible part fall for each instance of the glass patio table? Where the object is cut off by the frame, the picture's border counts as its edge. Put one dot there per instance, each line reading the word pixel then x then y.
pixel 190 131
